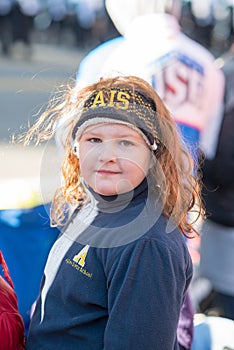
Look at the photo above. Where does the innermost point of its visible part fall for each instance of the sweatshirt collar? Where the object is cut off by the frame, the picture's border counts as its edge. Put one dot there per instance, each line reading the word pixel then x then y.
pixel 119 202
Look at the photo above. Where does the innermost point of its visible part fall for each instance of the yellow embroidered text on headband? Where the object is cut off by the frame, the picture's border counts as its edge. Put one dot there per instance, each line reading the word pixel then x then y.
pixel 120 105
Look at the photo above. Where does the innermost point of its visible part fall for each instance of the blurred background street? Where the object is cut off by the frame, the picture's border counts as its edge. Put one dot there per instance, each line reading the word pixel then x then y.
pixel 25 88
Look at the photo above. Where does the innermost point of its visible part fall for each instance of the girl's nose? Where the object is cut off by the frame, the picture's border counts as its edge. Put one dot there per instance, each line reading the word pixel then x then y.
pixel 107 152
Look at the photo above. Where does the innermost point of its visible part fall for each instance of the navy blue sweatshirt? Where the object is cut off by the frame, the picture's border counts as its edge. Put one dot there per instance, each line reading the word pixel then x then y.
pixel 114 280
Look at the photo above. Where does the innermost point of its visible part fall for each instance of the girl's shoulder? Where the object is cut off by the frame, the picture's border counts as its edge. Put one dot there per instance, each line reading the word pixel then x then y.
pixel 162 235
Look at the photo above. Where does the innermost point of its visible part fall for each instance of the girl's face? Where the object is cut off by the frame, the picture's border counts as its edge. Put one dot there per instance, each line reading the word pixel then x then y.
pixel 114 158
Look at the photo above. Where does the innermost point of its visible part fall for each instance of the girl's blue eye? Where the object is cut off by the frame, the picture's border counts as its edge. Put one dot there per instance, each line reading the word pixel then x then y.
pixel 95 140
pixel 126 143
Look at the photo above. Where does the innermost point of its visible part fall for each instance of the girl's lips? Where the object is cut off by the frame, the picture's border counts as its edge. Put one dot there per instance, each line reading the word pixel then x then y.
pixel 107 172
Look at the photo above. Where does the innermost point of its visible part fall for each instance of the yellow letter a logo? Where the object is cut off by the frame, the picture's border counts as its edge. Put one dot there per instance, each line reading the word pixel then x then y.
pixel 80 257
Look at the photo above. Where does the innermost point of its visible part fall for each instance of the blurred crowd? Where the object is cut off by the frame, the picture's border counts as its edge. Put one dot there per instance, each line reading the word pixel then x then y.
pixel 79 23
pixel 85 23
pixel 209 22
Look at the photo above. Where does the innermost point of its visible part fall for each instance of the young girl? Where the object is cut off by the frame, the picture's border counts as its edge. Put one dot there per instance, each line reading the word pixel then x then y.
pixel 117 276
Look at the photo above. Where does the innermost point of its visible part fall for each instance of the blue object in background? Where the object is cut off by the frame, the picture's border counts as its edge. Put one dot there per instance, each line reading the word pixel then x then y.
pixel 25 241
pixel 201 337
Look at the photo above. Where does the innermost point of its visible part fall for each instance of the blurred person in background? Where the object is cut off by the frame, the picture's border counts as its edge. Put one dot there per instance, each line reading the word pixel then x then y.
pixel 204 20
pixel 23 14
pixel 213 23
pixel 11 323
pixel 217 240
pixel 86 18
pixel 5 26
pixel 182 71
pixel 57 11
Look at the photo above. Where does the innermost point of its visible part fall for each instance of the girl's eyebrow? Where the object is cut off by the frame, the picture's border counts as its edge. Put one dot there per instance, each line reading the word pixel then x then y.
pixel 93 133
pixel 119 135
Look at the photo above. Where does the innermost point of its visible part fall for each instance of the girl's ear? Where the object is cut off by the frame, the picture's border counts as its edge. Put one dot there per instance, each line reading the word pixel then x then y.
pixel 75 149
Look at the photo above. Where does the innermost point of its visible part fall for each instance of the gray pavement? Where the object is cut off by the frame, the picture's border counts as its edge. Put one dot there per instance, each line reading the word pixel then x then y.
pixel 30 173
